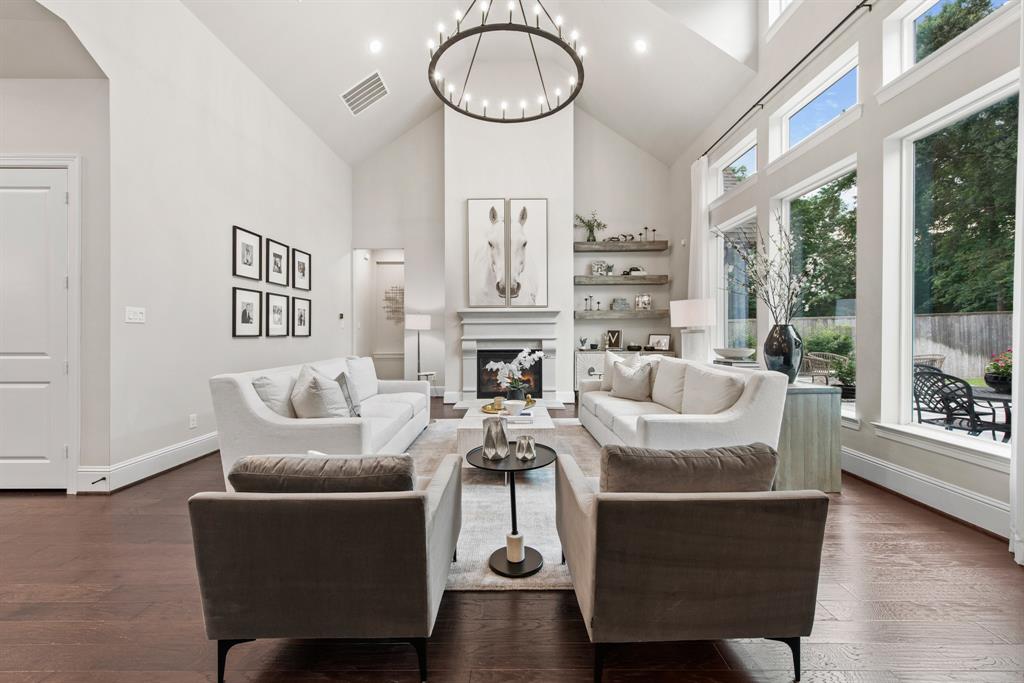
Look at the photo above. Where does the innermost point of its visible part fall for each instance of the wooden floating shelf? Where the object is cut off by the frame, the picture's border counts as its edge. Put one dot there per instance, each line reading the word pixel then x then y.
pixel 619 315
pixel 621 280
pixel 653 245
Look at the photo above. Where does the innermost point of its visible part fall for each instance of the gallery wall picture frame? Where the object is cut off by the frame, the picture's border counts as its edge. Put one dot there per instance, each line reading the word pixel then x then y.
pixel 246 312
pixel 277 315
pixel 277 263
pixel 302 270
pixel 246 253
pixel 486 243
pixel 527 259
pixel 614 339
pixel 302 317
pixel 660 342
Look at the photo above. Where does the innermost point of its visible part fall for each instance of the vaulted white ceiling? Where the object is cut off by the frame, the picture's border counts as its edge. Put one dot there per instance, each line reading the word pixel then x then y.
pixel 310 52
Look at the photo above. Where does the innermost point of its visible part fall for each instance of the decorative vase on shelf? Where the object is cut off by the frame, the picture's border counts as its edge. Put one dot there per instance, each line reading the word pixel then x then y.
pixel 998 383
pixel 784 351
pixel 515 394
pixel 495 439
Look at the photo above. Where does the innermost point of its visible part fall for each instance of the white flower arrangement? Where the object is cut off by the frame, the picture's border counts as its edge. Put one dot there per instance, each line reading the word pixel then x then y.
pixel 510 375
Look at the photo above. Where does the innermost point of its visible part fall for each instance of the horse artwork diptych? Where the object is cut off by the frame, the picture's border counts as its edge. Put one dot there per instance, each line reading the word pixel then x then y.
pixel 507 252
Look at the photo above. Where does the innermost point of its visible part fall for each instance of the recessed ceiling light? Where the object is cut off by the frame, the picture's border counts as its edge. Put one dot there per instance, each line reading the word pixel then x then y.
pixel 375 46
pixel 640 46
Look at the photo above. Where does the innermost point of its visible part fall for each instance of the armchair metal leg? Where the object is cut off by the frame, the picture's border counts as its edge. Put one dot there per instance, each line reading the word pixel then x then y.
pixel 794 646
pixel 563 557
pixel 599 651
pixel 222 654
pixel 421 654
pixel 455 555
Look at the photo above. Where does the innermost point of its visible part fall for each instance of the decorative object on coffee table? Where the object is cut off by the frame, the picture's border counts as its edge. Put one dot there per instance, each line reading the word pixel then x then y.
pixel 516 560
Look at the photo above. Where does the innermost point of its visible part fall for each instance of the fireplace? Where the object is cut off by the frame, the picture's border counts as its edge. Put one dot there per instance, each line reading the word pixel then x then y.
pixel 487 380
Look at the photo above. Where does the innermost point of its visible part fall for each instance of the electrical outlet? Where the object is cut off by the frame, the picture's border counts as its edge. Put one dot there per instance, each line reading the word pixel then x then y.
pixel 193 421
pixel 135 315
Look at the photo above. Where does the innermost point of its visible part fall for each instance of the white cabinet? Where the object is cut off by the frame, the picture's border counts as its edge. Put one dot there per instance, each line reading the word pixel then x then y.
pixel 590 364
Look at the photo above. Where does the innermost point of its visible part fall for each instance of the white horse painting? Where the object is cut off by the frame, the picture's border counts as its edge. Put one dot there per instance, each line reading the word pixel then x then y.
pixel 486 249
pixel 528 253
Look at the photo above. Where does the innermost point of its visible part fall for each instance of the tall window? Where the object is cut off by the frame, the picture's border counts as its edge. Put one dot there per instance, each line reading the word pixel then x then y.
pixel 964 224
pixel 945 20
pixel 839 96
pixel 824 228
pixel 740 306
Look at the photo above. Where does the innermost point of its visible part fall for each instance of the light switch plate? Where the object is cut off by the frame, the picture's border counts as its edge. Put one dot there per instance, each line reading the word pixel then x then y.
pixel 135 315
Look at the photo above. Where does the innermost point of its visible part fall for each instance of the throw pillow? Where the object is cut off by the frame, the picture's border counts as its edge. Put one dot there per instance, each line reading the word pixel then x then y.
pixel 363 377
pixel 707 391
pixel 322 474
pixel 610 359
pixel 633 383
pixel 351 398
pixel 276 393
pixel 647 470
pixel 317 396
pixel 667 386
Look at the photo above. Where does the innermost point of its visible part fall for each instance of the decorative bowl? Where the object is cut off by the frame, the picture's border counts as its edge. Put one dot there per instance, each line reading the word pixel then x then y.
pixel 734 353
pixel 513 408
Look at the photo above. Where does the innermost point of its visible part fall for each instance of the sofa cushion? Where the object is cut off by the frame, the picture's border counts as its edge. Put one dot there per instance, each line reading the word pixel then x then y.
pixel 707 391
pixel 633 382
pixel 415 400
pixel 322 474
pixel 276 392
pixel 363 375
pixel 613 407
pixel 381 405
pixel 627 469
pixel 590 399
pixel 317 396
pixel 667 387
pixel 384 419
pixel 625 427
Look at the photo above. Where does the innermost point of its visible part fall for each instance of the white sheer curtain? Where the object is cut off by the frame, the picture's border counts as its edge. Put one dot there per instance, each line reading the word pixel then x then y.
pixel 1017 444
pixel 699 280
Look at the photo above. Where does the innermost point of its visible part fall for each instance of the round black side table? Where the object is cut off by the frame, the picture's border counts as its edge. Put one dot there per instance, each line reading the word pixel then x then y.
pixel 532 560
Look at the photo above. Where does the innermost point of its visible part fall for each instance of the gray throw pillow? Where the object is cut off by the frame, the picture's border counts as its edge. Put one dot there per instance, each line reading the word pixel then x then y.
pixel 348 391
pixel 713 470
pixel 633 382
pixel 322 474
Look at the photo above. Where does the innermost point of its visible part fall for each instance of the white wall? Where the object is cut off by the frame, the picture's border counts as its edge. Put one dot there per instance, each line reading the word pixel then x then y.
pixel 198 143
pixel 994 57
pixel 629 188
pixel 398 202
pixel 71 116
pixel 531 160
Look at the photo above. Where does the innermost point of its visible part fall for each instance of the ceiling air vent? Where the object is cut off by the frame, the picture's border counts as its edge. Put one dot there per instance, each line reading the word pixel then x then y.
pixel 365 93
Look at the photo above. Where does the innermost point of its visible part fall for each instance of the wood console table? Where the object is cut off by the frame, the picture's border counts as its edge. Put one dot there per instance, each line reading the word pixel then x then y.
pixel 809 441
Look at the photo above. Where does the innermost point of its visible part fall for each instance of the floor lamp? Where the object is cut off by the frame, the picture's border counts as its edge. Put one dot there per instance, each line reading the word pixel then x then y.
pixel 693 315
pixel 418 322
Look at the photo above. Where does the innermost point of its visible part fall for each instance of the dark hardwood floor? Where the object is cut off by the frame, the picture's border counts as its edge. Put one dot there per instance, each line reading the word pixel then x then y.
pixel 97 589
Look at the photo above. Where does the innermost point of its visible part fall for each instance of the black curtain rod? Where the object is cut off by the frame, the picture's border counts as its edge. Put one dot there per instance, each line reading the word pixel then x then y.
pixel 760 101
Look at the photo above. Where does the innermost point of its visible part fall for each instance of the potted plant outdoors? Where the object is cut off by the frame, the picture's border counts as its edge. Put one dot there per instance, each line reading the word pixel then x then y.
pixel 773 273
pixel 999 372
pixel 846 375
pixel 591 225
pixel 510 375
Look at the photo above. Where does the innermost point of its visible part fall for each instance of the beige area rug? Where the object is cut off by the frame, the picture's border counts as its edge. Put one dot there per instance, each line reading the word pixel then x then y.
pixel 486 513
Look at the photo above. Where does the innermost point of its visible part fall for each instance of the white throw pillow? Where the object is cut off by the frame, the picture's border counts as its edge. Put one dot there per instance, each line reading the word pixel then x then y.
pixel 667 387
pixel 610 359
pixel 317 396
pixel 276 393
pixel 633 383
pixel 707 391
pixel 362 376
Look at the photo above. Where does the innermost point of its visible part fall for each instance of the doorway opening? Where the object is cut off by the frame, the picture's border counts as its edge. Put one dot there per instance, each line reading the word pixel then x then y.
pixel 378 294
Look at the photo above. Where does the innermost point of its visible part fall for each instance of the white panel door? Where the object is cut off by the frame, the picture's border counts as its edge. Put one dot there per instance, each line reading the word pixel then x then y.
pixel 33 328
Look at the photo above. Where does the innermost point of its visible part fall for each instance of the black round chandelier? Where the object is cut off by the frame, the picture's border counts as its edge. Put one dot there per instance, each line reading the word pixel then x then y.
pixel 552 98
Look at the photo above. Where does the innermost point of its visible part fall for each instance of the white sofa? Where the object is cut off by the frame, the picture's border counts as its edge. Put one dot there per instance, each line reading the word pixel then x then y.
pixel 756 416
pixel 391 418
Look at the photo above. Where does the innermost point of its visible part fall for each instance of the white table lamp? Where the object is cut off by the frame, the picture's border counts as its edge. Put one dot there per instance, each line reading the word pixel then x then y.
pixel 692 315
pixel 418 322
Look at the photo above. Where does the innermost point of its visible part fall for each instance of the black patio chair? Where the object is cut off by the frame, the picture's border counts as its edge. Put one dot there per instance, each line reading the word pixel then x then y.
pixel 953 398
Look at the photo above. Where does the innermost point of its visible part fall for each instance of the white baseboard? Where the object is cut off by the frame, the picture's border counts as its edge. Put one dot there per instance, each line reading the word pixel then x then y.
pixel 984 512
pixel 437 391
pixel 452 396
pixel 103 479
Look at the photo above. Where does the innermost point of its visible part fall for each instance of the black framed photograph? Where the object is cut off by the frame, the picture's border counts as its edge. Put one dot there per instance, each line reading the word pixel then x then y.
pixel 246 312
pixel 302 275
pixel 302 311
pixel 246 254
pixel 277 263
pixel 614 339
pixel 277 315
pixel 660 342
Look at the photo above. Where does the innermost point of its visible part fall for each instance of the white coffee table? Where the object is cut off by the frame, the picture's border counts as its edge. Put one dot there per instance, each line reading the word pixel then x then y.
pixel 471 427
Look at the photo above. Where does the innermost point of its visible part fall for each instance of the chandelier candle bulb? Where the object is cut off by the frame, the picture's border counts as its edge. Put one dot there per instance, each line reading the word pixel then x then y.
pixel 511 7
